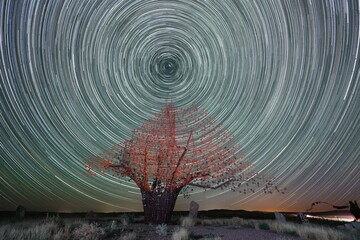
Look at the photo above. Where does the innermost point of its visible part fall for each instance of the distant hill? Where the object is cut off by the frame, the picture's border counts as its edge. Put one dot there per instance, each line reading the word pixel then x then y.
pixel 217 213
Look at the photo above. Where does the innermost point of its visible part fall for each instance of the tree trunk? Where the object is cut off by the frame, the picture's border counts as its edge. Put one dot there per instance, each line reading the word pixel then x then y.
pixel 158 207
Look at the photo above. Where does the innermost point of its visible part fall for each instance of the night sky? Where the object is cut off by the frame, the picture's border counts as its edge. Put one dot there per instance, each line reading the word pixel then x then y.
pixel 77 76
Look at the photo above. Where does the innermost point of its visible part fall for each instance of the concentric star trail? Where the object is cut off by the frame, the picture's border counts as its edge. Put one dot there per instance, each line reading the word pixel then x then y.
pixel 77 76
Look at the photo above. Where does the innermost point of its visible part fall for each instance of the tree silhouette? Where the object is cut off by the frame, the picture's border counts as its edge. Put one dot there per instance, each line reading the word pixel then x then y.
pixel 173 150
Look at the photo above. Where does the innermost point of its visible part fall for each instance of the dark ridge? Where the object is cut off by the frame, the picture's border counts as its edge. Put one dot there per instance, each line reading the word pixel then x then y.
pixel 218 213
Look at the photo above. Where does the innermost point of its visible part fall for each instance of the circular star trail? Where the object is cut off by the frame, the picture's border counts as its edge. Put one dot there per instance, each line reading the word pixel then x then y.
pixel 77 76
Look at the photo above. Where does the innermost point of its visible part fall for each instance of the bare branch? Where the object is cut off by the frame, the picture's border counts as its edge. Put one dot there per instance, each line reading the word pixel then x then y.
pixel 181 157
pixel 210 186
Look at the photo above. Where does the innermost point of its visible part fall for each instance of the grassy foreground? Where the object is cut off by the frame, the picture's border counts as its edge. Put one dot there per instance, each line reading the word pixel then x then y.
pixel 131 227
pixel 306 231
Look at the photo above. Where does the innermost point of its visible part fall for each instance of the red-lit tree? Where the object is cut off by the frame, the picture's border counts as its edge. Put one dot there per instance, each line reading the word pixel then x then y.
pixel 174 149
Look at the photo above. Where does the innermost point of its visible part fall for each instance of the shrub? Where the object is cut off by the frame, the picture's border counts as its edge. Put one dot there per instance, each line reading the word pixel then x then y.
pixel 180 234
pixel 74 224
pixel 161 229
pixel 264 226
pixel 187 222
pixel 126 218
pixel 129 236
pixel 88 232
pixel 113 226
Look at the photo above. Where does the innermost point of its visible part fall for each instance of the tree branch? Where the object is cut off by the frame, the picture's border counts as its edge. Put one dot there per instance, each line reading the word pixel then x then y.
pixel 211 187
pixel 145 173
pixel 130 172
pixel 181 158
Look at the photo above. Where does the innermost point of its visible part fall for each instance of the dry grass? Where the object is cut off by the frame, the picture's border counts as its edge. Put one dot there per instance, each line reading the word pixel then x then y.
pixel 187 222
pixel 41 229
pixel 89 231
pixel 51 228
pixel 56 228
pixel 309 231
pixel 180 234
pixel 128 236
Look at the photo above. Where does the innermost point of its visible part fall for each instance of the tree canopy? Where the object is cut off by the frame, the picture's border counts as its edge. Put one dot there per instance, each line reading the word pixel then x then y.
pixel 179 147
